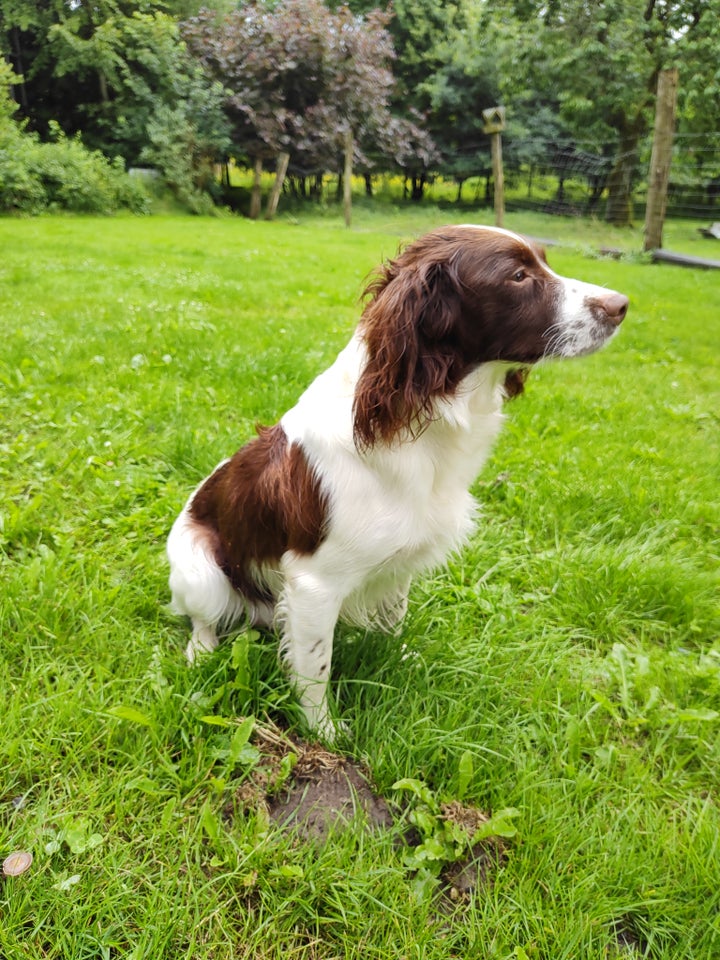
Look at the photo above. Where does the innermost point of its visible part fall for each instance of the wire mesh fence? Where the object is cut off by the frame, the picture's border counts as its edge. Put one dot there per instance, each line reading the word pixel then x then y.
pixel 573 179
pixel 564 178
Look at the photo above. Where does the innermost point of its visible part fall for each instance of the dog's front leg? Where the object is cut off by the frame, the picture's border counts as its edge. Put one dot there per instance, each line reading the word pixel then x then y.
pixel 393 607
pixel 309 611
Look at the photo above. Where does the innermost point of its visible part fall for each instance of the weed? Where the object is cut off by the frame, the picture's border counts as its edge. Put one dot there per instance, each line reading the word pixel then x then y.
pixel 447 832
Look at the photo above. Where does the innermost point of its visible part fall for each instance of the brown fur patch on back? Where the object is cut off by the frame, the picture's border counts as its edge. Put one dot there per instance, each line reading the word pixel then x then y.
pixel 264 501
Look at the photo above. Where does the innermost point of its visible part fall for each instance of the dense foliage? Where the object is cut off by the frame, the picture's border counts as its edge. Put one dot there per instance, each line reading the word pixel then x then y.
pixel 297 76
pixel 183 88
pixel 60 173
pixel 595 63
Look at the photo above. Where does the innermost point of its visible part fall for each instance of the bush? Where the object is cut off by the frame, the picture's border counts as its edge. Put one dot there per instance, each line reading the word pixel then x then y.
pixel 171 151
pixel 185 139
pixel 86 181
pixel 64 174
pixel 20 188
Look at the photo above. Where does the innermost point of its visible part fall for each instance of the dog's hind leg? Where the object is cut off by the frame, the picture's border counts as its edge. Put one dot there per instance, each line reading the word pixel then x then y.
pixel 200 589
pixel 203 640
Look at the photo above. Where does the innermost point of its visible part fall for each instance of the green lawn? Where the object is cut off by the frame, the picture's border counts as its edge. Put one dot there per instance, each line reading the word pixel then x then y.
pixel 566 664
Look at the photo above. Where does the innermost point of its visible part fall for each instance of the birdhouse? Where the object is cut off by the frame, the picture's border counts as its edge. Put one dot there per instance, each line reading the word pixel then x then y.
pixel 494 120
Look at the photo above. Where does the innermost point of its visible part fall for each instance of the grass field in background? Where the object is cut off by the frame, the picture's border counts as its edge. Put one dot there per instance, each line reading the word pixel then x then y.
pixel 388 208
pixel 571 653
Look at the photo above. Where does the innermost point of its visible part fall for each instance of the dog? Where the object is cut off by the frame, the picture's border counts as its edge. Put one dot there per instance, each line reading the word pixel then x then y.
pixel 363 484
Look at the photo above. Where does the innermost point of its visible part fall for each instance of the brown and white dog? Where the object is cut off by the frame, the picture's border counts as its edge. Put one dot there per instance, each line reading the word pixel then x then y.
pixel 364 482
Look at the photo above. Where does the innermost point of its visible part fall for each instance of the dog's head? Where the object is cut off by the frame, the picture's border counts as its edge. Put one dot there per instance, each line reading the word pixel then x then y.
pixel 459 297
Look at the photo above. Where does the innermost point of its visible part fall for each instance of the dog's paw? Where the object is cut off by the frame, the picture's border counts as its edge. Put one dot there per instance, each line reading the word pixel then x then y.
pixel 202 642
pixel 331 732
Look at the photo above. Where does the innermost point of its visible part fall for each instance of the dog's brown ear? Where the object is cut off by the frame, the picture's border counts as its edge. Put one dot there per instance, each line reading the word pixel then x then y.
pixel 440 305
pixel 515 382
pixel 412 311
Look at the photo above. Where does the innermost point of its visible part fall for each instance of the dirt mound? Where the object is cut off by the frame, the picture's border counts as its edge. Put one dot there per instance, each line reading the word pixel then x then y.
pixel 309 789
pixel 314 792
pixel 328 791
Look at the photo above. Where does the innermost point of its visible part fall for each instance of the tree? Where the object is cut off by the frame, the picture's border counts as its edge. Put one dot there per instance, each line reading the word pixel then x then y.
pixel 465 83
pixel 141 66
pixel 298 77
pixel 402 143
pixel 185 140
pixel 598 61
pixel 8 107
pixel 427 96
pixel 446 76
pixel 419 29
pixel 101 68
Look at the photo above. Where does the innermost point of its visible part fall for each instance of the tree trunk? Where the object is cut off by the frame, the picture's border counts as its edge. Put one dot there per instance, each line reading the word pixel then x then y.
pixel 597 185
pixel 368 185
pixel 619 204
pixel 20 70
pixel 102 81
pixel 282 165
pixel 347 177
pixel 256 196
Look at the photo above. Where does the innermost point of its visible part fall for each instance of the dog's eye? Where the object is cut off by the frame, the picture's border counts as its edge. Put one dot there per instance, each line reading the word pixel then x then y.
pixel 519 276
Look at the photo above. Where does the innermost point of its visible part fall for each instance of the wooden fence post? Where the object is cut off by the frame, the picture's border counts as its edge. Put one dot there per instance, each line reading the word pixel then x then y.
pixel 659 173
pixel 498 178
pixel 494 125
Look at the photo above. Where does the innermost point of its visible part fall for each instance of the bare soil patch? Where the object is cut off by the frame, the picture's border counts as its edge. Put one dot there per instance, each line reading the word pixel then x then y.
pixel 309 789
pixel 312 791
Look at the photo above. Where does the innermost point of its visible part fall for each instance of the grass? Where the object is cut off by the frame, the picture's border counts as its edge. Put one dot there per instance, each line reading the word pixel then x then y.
pixel 387 209
pixel 572 651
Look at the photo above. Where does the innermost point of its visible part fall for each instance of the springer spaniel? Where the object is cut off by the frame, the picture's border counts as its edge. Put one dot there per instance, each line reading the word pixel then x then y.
pixel 364 482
